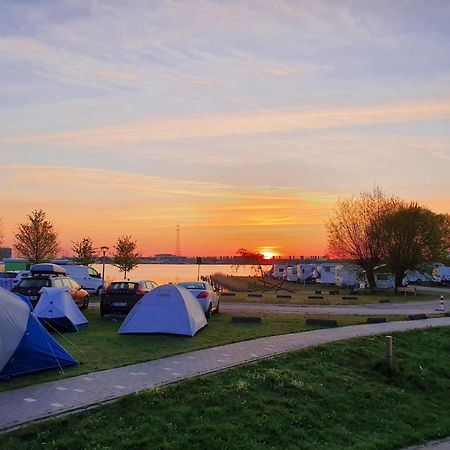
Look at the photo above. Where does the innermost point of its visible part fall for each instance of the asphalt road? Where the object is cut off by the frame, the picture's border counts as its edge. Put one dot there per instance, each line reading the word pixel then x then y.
pixel 420 307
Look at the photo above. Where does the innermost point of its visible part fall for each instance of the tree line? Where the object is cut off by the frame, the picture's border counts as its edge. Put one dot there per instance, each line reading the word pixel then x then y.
pixel 370 229
pixel 374 229
pixel 37 240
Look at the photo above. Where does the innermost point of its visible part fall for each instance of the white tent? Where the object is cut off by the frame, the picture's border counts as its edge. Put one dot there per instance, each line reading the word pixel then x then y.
pixel 56 309
pixel 166 309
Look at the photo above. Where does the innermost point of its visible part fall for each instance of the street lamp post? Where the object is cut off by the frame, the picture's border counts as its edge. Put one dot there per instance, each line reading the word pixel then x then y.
pixel 103 249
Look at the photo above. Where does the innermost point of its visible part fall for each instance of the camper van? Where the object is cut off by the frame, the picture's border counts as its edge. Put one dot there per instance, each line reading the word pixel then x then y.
pixel 87 277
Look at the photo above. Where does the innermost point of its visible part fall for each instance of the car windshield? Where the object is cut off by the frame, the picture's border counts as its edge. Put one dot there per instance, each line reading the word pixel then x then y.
pixel 34 282
pixel 192 285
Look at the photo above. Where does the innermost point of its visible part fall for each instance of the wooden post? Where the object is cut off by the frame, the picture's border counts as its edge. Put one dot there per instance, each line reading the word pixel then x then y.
pixel 389 351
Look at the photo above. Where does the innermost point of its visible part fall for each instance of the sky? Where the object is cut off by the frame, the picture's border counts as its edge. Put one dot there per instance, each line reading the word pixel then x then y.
pixel 243 122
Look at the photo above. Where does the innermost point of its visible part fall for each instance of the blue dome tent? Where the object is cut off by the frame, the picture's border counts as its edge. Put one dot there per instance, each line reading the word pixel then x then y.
pixel 25 345
pixel 166 309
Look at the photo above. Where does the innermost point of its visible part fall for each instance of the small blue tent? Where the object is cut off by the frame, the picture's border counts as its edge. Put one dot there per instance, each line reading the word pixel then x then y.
pixel 57 310
pixel 166 309
pixel 25 345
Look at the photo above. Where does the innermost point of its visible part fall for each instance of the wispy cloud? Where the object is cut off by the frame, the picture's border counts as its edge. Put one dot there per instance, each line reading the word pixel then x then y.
pixel 222 125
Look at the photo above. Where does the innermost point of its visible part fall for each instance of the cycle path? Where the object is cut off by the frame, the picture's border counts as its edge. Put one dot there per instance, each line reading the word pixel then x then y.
pixel 33 403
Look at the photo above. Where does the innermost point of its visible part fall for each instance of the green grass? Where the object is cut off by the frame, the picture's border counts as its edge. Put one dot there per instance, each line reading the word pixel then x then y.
pixel 101 347
pixel 336 396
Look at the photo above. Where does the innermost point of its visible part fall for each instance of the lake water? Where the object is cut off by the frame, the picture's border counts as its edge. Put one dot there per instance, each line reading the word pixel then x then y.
pixel 173 273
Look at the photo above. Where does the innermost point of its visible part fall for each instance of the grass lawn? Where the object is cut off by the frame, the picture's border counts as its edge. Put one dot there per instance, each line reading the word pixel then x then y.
pixel 336 396
pixel 102 348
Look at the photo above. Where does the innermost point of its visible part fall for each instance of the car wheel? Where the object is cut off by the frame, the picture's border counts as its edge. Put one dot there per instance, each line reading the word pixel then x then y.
pixel 85 303
pixel 208 313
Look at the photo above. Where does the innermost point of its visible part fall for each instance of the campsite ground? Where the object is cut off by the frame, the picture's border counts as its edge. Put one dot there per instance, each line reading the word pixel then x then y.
pixel 242 287
pixel 335 396
pixel 98 346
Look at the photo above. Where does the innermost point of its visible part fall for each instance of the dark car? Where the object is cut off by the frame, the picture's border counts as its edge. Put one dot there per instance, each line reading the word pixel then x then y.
pixel 30 287
pixel 120 296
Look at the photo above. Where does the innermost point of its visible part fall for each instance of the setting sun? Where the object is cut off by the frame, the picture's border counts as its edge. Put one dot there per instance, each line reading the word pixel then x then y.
pixel 268 252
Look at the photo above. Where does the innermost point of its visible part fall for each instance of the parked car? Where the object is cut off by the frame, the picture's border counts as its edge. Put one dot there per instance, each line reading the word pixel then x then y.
pixel 205 294
pixel 13 277
pixel 87 276
pixel 45 276
pixel 120 296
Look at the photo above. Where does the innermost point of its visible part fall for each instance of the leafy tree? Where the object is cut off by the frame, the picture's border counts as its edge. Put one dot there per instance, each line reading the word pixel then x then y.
pixel 247 257
pixel 413 235
pixel 126 257
pixel 37 239
pixel 354 231
pixel 85 252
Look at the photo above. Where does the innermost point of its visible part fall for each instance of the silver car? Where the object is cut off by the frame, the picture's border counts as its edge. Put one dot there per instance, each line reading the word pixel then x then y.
pixel 205 294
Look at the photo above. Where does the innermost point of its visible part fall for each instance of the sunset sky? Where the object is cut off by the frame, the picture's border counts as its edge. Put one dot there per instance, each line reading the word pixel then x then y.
pixel 241 121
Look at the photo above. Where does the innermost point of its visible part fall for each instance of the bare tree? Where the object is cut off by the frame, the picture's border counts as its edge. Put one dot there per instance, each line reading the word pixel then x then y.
pixel 354 231
pixel 37 239
pixel 85 252
pixel 247 257
pixel 413 235
pixel 126 256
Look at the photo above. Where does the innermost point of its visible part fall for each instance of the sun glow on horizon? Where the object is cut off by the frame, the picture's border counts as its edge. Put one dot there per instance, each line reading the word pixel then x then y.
pixel 268 252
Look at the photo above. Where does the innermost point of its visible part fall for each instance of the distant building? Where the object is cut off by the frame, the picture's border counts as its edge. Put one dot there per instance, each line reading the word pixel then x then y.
pixel 5 252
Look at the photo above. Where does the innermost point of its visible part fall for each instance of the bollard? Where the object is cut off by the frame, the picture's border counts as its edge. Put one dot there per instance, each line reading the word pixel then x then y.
pixel 389 351
pixel 442 303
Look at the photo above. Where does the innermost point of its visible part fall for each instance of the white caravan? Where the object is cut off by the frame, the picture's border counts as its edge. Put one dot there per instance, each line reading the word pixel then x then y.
pixel 327 274
pixel 346 275
pixel 305 272
pixel 384 280
pixel 291 273
pixel 441 274
pixel 278 271
pixel 87 277
pixel 414 276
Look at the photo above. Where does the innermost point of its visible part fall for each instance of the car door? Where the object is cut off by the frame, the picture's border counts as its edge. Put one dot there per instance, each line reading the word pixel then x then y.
pixel 77 293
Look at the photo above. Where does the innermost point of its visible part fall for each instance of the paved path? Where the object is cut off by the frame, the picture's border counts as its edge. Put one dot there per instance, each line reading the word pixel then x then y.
pixel 380 309
pixel 20 406
pixel 434 445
